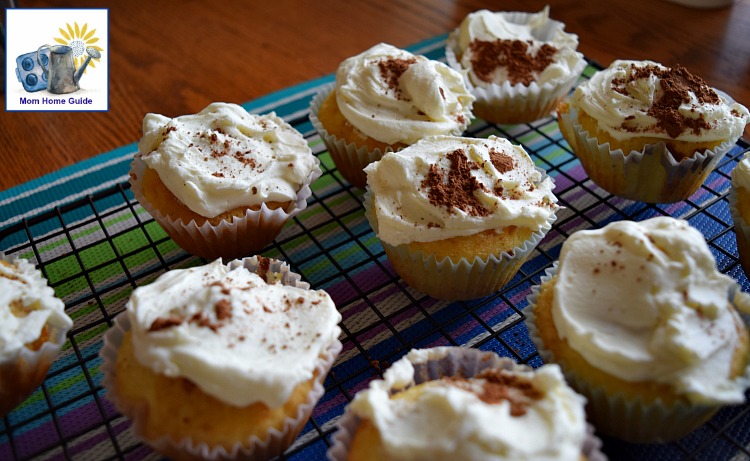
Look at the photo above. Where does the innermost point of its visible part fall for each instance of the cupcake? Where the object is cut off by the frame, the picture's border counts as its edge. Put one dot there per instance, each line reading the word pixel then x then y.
pixel 645 327
pixel 33 329
pixel 457 216
pixel 518 65
pixel 222 182
pixel 450 403
pixel 739 206
pixel 221 361
pixel 385 99
pixel 648 132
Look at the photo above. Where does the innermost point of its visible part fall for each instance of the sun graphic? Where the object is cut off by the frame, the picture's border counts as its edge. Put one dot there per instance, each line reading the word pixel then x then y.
pixel 79 38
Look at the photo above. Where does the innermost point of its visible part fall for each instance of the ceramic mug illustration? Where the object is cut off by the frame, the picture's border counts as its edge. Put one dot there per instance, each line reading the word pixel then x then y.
pixel 61 75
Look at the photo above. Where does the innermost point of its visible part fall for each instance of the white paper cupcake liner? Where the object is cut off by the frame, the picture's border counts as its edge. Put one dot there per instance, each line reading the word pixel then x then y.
pixel 243 236
pixel 631 419
pixel 349 158
pixel 251 449
pixel 651 175
pixel 741 227
pixel 506 103
pixel 23 373
pixel 456 361
pixel 462 280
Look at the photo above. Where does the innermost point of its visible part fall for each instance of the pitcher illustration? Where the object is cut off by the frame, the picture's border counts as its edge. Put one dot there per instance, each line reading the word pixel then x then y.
pixel 62 76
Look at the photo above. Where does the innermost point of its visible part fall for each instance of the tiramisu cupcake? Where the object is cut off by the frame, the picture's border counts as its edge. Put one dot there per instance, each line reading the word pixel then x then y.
pixel 645 327
pixel 451 403
pixel 222 182
pixel 33 329
pixel 221 361
pixel 518 65
pixel 458 216
pixel 739 206
pixel 385 99
pixel 649 132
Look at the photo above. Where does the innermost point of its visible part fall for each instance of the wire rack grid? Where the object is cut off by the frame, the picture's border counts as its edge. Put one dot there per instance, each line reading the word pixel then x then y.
pixel 97 249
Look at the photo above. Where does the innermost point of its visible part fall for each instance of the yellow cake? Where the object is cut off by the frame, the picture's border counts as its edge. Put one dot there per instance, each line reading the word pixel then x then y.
pixel 222 182
pixel 33 328
pixel 457 217
pixel 450 403
pixel 637 316
pixel 198 373
pixel 649 132
pixel 385 99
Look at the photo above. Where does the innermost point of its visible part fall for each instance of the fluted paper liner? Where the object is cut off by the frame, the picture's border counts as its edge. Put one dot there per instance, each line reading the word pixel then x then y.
pixel 240 237
pixel 22 374
pixel 741 228
pixel 519 103
pixel 463 280
pixel 631 419
pixel 349 158
pixel 457 361
pixel 251 449
pixel 651 175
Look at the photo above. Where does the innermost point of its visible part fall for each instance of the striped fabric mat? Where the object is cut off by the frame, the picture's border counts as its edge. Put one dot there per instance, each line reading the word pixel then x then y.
pixel 94 243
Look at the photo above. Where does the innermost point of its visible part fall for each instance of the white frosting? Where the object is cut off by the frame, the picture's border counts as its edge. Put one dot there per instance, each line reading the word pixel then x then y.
pixel 644 302
pixel 612 108
pixel 402 203
pixel 741 173
pixel 27 304
pixel 447 422
pixel 535 30
pixel 270 342
pixel 224 158
pixel 429 99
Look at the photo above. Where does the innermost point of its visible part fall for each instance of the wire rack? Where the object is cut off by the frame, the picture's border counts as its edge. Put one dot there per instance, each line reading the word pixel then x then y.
pixel 96 250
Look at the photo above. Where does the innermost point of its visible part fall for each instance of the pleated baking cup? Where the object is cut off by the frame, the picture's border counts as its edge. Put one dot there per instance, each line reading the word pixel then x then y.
pixel 461 280
pixel 506 103
pixel 632 419
pixel 349 158
pixel 454 361
pixel 240 237
pixel 251 449
pixel 22 373
pixel 741 228
pixel 651 175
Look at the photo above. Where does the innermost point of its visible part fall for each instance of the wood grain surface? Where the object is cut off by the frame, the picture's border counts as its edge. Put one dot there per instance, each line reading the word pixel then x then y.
pixel 175 57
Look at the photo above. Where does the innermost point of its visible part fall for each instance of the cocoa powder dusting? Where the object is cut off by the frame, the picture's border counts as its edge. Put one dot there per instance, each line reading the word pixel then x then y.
pixel 457 190
pixel 502 386
pixel 392 69
pixel 223 310
pixel 161 323
pixel 501 161
pixel 513 55
pixel 676 84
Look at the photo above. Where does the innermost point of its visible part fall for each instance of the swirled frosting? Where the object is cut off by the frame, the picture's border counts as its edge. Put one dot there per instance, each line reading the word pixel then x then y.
pixel 224 158
pixel 448 186
pixel 394 96
pixel 644 98
pixel 236 337
pixel 27 305
pixel 498 415
pixel 643 301
pixel 519 48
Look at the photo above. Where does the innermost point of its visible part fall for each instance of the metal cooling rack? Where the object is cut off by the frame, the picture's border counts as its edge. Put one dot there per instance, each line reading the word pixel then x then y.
pixel 96 250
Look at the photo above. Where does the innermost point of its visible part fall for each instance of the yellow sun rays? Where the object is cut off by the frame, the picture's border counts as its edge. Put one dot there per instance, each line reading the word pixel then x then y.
pixel 79 38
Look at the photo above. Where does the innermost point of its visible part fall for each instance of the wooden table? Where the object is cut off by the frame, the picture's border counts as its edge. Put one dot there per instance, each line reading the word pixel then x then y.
pixel 175 57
